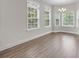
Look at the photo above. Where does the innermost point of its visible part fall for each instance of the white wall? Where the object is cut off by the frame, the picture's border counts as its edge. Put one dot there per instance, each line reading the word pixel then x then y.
pixel 13 29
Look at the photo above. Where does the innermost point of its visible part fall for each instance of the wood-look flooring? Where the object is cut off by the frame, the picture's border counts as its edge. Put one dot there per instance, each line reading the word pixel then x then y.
pixel 53 45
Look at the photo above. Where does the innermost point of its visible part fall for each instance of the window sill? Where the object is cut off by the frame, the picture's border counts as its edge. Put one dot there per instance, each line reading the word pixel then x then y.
pixel 47 26
pixel 32 29
pixel 68 26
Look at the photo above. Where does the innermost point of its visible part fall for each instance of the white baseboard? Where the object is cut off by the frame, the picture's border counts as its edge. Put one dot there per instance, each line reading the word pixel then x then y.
pixel 68 32
pixel 25 40
pixel 39 35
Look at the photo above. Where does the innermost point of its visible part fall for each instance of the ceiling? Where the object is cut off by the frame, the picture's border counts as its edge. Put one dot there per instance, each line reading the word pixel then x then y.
pixel 60 2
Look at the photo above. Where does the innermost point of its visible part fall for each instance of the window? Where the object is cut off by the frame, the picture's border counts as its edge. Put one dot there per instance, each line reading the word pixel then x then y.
pixel 32 15
pixel 57 22
pixel 68 18
pixel 57 19
pixel 47 17
pixel 77 18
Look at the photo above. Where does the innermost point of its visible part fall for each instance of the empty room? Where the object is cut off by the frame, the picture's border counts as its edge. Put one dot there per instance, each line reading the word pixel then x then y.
pixel 39 28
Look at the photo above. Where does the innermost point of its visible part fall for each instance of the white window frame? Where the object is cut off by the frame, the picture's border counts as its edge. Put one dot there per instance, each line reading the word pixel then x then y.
pixel 35 5
pixel 48 9
pixel 73 20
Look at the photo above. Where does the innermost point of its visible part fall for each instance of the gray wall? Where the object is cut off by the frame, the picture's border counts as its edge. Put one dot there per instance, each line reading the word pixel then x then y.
pixel 13 29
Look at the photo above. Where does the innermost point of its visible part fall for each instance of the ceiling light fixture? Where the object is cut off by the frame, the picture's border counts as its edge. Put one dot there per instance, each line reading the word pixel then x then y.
pixel 62 9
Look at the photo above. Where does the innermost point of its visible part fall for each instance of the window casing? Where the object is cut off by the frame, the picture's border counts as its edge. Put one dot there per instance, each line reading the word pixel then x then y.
pixel 32 15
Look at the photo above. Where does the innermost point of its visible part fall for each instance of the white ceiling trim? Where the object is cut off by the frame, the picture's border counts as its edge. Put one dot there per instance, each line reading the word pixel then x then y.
pixel 60 2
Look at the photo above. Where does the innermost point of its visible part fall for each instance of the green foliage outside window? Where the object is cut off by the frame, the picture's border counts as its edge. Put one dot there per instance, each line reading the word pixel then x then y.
pixel 68 18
